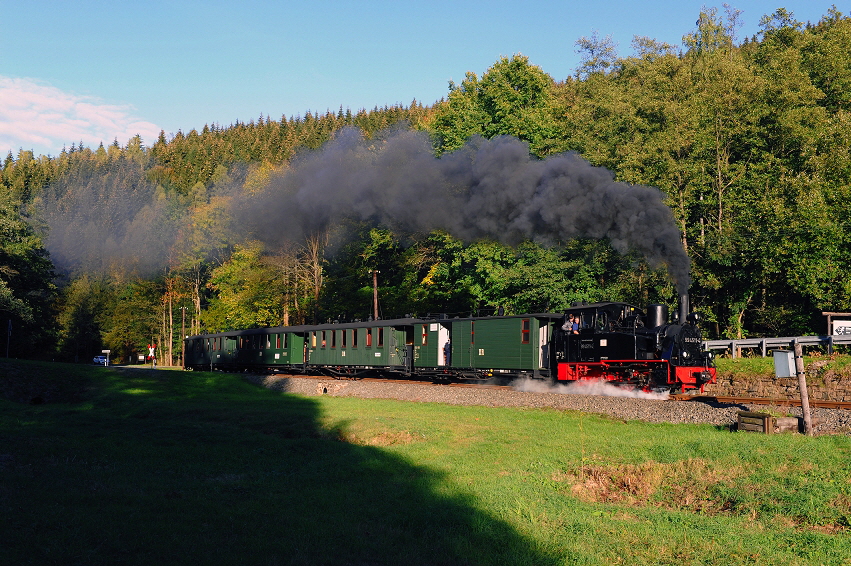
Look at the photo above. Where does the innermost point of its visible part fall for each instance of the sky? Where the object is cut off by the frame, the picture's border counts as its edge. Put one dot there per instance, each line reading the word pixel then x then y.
pixel 97 71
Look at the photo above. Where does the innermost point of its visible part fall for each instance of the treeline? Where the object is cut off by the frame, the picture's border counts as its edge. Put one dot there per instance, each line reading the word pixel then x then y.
pixel 749 140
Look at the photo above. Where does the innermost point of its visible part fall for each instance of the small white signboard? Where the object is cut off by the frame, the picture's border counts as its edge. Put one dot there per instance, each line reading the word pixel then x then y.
pixel 841 327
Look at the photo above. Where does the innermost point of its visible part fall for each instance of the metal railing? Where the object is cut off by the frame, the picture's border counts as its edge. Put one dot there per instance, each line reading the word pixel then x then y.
pixel 765 344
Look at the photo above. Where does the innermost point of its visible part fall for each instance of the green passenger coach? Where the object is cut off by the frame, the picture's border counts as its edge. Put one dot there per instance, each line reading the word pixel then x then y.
pixel 439 349
pixel 355 348
pixel 270 348
pixel 480 347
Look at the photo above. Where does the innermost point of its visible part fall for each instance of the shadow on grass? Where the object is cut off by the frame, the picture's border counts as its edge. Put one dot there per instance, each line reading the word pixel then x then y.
pixel 157 470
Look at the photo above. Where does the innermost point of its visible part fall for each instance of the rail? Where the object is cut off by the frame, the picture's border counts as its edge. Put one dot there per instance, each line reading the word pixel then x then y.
pixel 765 344
pixel 817 403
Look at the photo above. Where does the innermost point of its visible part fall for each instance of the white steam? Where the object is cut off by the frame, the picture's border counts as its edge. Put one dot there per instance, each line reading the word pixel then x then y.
pixel 589 387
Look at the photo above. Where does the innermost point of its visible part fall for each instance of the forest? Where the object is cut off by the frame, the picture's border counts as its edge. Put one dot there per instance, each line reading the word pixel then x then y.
pixel 295 220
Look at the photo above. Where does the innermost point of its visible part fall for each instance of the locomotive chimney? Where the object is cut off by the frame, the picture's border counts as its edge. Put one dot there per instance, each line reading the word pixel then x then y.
pixel 683 307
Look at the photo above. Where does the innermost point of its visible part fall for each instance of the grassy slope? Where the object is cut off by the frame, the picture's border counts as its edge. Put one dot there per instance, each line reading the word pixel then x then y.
pixel 140 467
pixel 745 368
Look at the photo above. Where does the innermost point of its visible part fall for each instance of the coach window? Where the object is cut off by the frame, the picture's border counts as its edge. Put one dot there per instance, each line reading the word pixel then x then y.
pixel 380 337
pixel 343 337
pixel 369 337
pixel 354 338
pixel 333 338
pixel 324 339
pixel 277 341
pixel 313 339
pixel 425 334
pixel 524 333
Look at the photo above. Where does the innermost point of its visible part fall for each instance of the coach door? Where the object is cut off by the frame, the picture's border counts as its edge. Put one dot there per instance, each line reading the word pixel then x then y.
pixel 444 346
pixel 543 345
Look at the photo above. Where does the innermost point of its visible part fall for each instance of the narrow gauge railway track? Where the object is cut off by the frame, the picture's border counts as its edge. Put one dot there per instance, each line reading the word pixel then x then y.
pixel 822 404
pixel 725 400
pixel 719 411
pixel 416 382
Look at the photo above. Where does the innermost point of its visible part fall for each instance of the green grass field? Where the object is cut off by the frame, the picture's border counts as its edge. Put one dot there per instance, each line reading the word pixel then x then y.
pixel 133 466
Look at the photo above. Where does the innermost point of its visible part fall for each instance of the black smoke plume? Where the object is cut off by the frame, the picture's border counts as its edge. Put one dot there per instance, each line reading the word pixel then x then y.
pixel 487 189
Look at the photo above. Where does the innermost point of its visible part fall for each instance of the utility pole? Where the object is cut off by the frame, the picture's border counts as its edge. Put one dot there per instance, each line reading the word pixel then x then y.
pixel 183 337
pixel 802 385
pixel 375 273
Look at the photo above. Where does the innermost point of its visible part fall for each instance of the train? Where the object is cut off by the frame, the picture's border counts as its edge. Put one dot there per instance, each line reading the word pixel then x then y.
pixel 610 341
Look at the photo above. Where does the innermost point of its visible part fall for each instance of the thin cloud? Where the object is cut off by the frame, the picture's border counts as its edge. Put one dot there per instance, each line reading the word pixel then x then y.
pixel 43 118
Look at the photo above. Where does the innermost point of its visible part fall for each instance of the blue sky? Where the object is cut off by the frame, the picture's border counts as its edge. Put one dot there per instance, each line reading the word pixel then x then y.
pixel 95 71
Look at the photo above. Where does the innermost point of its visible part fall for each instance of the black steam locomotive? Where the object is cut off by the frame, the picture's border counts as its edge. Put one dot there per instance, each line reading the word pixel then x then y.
pixel 615 342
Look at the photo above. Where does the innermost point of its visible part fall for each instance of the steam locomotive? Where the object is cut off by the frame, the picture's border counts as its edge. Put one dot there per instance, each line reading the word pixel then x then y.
pixel 610 341
pixel 619 343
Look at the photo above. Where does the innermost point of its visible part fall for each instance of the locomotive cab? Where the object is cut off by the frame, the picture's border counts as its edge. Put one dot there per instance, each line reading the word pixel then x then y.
pixel 605 331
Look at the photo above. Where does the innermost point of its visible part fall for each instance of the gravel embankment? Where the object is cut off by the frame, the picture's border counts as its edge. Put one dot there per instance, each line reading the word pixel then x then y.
pixel 645 408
